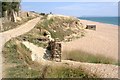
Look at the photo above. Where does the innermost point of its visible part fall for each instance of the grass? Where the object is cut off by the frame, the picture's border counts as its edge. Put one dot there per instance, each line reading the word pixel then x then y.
pixel 56 25
pixel 22 71
pixel 19 57
pixel 64 72
pixel 33 40
pixel 16 53
pixel 10 53
pixel 21 65
pixel 46 72
pixel 35 33
pixel 82 56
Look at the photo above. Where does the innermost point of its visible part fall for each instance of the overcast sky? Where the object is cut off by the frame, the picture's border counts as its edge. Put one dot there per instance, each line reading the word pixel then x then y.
pixel 74 8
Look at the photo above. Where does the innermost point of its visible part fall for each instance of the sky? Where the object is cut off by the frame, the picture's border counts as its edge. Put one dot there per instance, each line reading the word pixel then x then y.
pixel 70 0
pixel 77 9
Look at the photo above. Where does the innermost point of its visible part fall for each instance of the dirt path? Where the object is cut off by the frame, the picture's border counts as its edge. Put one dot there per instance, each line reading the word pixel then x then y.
pixel 101 70
pixel 7 35
pixel 103 41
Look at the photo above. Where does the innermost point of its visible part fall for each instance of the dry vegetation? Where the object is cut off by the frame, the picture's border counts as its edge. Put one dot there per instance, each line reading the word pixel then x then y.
pixel 58 27
pixel 82 56
pixel 11 25
pixel 19 57
pixel 21 65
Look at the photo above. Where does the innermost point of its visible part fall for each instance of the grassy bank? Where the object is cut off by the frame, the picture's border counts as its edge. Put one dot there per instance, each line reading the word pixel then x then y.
pixel 34 37
pixel 19 58
pixel 18 64
pixel 37 33
pixel 59 28
pixel 64 71
pixel 23 71
pixel 55 27
pixel 82 56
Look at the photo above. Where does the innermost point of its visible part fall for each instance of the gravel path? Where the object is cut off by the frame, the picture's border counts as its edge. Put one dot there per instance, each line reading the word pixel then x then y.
pixel 101 70
pixel 7 35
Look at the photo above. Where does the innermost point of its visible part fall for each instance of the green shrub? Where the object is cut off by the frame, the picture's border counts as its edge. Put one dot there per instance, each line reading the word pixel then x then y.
pixel 22 71
pixel 10 53
pixel 66 72
pixel 82 56
pixel 20 57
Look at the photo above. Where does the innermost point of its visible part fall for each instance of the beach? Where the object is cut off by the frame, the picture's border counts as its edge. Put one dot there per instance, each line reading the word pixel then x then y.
pixel 103 41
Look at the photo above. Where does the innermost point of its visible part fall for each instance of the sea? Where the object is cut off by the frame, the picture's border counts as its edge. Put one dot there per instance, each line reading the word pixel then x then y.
pixel 108 20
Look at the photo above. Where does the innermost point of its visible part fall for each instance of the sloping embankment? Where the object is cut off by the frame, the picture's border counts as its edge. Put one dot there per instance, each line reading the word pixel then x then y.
pixel 100 70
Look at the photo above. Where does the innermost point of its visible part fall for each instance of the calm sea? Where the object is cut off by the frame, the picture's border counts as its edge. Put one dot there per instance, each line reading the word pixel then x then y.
pixel 108 20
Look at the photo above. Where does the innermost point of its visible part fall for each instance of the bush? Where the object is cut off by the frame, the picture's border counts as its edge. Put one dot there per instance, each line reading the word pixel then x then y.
pixel 22 71
pixel 19 58
pixel 21 65
pixel 64 72
pixel 82 56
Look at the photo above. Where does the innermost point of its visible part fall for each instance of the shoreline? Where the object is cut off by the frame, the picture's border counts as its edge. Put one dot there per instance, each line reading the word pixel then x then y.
pixel 109 20
pixel 103 41
pixel 99 22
